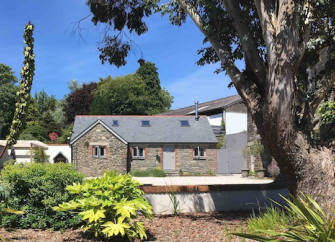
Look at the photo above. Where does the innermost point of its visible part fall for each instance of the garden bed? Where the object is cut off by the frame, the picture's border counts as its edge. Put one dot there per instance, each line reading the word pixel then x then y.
pixel 187 227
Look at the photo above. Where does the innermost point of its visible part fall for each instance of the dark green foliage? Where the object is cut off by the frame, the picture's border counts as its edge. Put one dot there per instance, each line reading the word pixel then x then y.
pixel 129 95
pixel 33 115
pixel 50 125
pixel 34 131
pixel 120 18
pixel 160 99
pixel 99 106
pixel 66 134
pixel 7 108
pixel 7 75
pixel 125 95
pixel 148 173
pixel 8 98
pixel 44 102
pixel 35 189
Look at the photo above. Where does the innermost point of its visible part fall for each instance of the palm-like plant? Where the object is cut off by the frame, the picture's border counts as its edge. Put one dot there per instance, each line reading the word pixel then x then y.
pixel 311 223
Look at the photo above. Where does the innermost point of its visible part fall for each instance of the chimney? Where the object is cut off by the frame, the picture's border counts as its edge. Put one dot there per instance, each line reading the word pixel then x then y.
pixel 196 111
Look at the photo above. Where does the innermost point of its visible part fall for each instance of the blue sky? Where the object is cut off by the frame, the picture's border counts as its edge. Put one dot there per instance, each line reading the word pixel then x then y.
pixel 61 57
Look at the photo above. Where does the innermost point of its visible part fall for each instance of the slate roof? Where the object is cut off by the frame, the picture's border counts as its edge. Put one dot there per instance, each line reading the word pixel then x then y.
pixel 163 129
pixel 207 107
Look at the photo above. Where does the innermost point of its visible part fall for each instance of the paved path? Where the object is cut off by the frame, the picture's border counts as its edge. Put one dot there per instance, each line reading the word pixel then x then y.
pixel 201 180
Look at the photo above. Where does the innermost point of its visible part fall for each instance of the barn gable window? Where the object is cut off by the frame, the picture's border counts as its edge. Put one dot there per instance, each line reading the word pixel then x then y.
pixel 99 151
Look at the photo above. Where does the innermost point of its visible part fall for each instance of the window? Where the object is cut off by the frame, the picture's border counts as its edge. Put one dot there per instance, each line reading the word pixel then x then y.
pixel 184 123
pixel 138 153
pixel 199 153
pixel 99 151
pixel 115 122
pixel 145 123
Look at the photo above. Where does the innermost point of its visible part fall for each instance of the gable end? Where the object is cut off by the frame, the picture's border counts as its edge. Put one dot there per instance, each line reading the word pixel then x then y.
pixel 92 126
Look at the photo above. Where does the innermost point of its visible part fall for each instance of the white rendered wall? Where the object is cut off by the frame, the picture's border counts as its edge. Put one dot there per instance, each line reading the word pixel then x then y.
pixel 195 202
pixel 215 119
pixel 23 154
pixel 53 151
pixel 236 122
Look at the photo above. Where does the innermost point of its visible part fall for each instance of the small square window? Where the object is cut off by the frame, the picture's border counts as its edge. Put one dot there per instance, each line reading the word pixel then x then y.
pixel 115 122
pixel 138 153
pixel 184 123
pixel 99 151
pixel 145 123
pixel 199 153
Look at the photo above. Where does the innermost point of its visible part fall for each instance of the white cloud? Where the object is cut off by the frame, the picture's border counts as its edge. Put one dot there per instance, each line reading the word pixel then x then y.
pixel 202 85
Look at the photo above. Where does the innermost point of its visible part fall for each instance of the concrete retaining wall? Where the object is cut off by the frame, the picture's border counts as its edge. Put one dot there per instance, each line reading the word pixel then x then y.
pixel 211 198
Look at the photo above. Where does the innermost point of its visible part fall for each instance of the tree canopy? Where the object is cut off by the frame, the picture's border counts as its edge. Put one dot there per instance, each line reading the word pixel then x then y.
pixel 79 101
pixel 124 95
pixel 288 51
pixel 45 102
pixel 138 93
pixel 160 99
pixel 7 75
pixel 8 91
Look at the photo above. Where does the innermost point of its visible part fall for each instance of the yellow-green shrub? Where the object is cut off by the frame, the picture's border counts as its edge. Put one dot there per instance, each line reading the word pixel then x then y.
pixel 109 205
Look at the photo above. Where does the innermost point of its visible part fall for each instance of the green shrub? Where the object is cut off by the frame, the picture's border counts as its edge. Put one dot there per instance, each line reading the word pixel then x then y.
pixel 149 173
pixel 251 173
pixel 196 173
pixel 36 188
pixel 308 222
pixel 181 173
pixel 9 162
pixel 109 205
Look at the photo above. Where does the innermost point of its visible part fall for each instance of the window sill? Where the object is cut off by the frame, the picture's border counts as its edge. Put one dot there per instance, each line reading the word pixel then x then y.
pixel 138 158
pixel 199 158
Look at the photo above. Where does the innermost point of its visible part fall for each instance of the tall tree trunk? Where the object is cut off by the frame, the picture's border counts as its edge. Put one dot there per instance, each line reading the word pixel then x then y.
pixel 309 168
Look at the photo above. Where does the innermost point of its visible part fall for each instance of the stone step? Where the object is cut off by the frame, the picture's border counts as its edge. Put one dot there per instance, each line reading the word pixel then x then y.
pixel 172 173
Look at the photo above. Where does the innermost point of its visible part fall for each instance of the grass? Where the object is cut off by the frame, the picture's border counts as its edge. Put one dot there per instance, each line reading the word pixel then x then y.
pixel 148 173
pixel 273 218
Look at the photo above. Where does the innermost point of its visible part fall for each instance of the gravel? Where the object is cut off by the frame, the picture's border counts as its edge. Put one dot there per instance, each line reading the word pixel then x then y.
pixel 186 227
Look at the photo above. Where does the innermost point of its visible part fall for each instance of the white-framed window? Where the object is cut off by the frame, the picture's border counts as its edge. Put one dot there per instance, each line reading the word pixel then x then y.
pixel 99 151
pixel 199 153
pixel 138 153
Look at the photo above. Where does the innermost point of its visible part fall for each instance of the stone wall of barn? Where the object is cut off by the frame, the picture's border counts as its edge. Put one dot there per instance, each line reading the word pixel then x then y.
pixel 184 159
pixel 115 158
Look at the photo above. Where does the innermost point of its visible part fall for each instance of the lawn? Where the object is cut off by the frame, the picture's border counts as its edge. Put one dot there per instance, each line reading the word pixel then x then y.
pixel 187 227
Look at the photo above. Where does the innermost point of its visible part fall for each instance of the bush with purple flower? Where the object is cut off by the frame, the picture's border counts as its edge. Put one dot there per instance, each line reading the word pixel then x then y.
pixel 273 169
